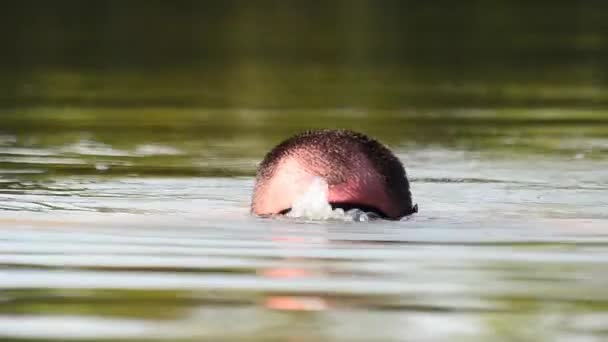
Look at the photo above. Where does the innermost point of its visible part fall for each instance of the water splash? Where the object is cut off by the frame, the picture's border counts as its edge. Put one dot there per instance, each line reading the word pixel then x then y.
pixel 313 205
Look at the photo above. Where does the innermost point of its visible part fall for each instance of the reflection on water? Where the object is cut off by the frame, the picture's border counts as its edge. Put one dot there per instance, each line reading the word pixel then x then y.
pixel 360 281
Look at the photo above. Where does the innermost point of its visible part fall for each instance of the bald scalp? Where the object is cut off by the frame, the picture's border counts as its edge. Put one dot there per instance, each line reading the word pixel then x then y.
pixel 346 160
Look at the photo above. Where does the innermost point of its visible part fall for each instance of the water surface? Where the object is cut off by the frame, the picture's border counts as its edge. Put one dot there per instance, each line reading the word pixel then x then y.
pixel 104 237
pixel 130 133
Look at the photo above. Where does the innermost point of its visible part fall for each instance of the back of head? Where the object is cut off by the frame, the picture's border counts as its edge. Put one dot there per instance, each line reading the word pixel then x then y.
pixel 359 170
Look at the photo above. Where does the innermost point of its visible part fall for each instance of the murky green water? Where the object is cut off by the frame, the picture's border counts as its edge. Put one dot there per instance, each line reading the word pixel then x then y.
pixel 130 133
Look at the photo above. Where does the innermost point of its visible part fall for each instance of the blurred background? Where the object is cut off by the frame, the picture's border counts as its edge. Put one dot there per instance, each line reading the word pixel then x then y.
pixel 234 77
pixel 305 54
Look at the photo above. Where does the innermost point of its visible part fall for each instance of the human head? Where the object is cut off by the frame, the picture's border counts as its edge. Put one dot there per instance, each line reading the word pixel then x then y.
pixel 360 172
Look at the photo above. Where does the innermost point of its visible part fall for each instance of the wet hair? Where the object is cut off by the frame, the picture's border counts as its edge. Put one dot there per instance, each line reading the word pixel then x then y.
pixel 335 155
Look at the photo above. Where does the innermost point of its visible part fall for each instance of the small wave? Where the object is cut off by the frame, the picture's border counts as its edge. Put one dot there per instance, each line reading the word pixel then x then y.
pixel 40 160
pixel 7 139
pixel 94 148
pixel 155 150
pixel 90 147
pixel 26 151
pixel 457 180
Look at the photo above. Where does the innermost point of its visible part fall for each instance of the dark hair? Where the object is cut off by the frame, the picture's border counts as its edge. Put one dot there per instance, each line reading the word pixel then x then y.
pixel 330 154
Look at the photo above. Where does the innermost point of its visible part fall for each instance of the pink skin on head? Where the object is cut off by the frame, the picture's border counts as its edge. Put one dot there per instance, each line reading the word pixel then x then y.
pixel 291 180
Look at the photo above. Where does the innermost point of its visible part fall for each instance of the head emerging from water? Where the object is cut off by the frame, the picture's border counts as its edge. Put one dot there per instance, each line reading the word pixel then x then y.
pixel 360 173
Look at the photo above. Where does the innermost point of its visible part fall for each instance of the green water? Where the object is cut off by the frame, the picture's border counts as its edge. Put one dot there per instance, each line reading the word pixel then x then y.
pixel 130 133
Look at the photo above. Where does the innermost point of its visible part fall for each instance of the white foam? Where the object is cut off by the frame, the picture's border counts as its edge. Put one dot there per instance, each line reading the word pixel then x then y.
pixel 313 205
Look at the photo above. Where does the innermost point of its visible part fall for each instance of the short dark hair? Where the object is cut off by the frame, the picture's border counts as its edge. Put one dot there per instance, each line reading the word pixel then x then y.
pixel 329 153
